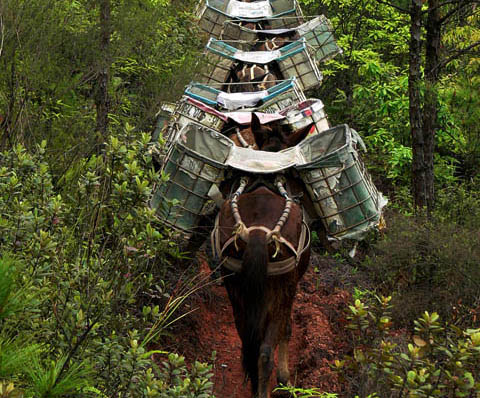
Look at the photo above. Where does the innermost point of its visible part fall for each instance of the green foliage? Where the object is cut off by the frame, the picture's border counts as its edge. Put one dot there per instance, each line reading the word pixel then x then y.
pixel 441 360
pixel 15 355
pixel 49 382
pixel 296 392
pixel 10 295
pixel 51 58
pixel 81 263
pixel 367 87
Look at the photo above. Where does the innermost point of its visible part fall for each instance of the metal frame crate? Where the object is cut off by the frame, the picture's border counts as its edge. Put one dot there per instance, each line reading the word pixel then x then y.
pixel 318 33
pixel 296 61
pixel 293 60
pixel 274 99
pixel 195 163
pixel 213 13
pixel 344 196
pixel 305 113
pixel 190 110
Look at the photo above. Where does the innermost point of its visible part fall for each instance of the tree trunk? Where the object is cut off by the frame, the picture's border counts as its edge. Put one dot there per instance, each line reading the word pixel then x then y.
pixel 102 100
pixel 419 169
pixel 430 109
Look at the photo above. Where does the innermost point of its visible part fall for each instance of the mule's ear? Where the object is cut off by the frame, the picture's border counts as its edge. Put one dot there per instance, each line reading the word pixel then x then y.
pixel 255 122
pixel 297 136
pixel 258 130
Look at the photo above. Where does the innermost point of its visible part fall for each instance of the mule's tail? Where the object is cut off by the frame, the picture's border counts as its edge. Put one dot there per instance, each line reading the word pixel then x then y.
pixel 254 276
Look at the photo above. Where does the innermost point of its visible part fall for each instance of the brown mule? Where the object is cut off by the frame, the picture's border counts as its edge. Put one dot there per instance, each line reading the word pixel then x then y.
pixel 261 299
pixel 270 137
pixel 252 77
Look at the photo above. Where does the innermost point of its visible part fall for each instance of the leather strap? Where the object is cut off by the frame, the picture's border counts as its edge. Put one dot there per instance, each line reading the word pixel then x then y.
pixel 273 267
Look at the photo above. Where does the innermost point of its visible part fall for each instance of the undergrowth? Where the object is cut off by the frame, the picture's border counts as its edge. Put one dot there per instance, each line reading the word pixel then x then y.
pixel 438 359
pixel 431 265
pixel 84 292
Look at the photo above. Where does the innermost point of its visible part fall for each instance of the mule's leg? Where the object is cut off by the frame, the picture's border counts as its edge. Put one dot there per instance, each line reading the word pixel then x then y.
pixel 266 359
pixel 265 367
pixel 283 374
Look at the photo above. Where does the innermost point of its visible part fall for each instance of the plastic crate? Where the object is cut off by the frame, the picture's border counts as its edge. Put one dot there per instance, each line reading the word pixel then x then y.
pixel 317 32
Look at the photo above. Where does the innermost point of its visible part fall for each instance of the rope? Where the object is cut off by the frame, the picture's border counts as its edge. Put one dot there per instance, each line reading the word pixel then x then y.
pixel 239 229
pixel 242 140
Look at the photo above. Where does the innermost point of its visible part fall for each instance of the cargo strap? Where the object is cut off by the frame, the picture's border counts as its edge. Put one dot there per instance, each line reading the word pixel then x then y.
pixel 274 267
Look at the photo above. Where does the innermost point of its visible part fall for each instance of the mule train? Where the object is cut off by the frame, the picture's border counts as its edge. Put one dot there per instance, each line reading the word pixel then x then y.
pixel 245 137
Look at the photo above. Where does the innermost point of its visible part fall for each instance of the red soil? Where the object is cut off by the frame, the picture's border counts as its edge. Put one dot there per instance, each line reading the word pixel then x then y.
pixel 316 342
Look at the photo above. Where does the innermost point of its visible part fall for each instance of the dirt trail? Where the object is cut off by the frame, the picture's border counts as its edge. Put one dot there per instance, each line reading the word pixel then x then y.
pixel 316 342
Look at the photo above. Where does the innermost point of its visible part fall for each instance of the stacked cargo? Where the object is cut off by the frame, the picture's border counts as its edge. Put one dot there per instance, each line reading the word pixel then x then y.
pixel 261 58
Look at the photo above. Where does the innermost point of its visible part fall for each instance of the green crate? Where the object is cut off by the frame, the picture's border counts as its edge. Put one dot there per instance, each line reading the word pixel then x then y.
pixel 344 196
pixel 195 163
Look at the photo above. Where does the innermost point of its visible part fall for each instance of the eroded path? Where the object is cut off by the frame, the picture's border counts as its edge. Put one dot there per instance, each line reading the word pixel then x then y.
pixel 317 340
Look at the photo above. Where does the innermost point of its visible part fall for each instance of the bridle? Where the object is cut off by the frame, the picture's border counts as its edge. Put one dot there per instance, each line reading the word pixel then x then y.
pixel 272 235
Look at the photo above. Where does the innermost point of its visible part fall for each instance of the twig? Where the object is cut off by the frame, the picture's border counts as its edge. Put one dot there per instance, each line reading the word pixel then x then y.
pixel 3 34
pixel 402 10
pixel 447 2
pixel 459 53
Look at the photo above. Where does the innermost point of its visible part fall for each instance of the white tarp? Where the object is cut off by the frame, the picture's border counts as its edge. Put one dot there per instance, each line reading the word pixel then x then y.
pixel 245 118
pixel 239 9
pixel 257 57
pixel 232 101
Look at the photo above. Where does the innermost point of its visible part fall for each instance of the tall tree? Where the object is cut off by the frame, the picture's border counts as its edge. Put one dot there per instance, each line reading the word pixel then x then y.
pixel 102 99
pixel 424 108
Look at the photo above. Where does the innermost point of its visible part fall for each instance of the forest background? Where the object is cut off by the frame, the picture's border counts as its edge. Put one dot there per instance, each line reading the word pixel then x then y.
pixel 88 277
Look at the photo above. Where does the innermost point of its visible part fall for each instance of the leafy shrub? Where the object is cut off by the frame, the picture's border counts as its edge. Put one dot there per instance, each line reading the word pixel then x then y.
pixel 83 262
pixel 296 392
pixel 440 360
pixel 424 264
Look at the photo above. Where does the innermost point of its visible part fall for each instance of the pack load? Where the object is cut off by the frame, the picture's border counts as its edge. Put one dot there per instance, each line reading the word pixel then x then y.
pixel 308 112
pixel 317 32
pixel 195 163
pixel 212 14
pixel 273 99
pixel 292 60
pixel 328 163
pixel 344 196
pixel 258 62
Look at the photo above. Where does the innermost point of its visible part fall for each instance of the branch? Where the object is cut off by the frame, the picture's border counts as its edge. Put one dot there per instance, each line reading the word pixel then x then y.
pixel 402 10
pixel 456 9
pixel 449 2
pixel 457 54
pixel 3 35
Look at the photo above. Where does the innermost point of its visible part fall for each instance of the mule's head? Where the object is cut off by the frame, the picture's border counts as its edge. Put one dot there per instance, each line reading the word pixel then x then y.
pixel 242 136
pixel 274 137
pixel 253 77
